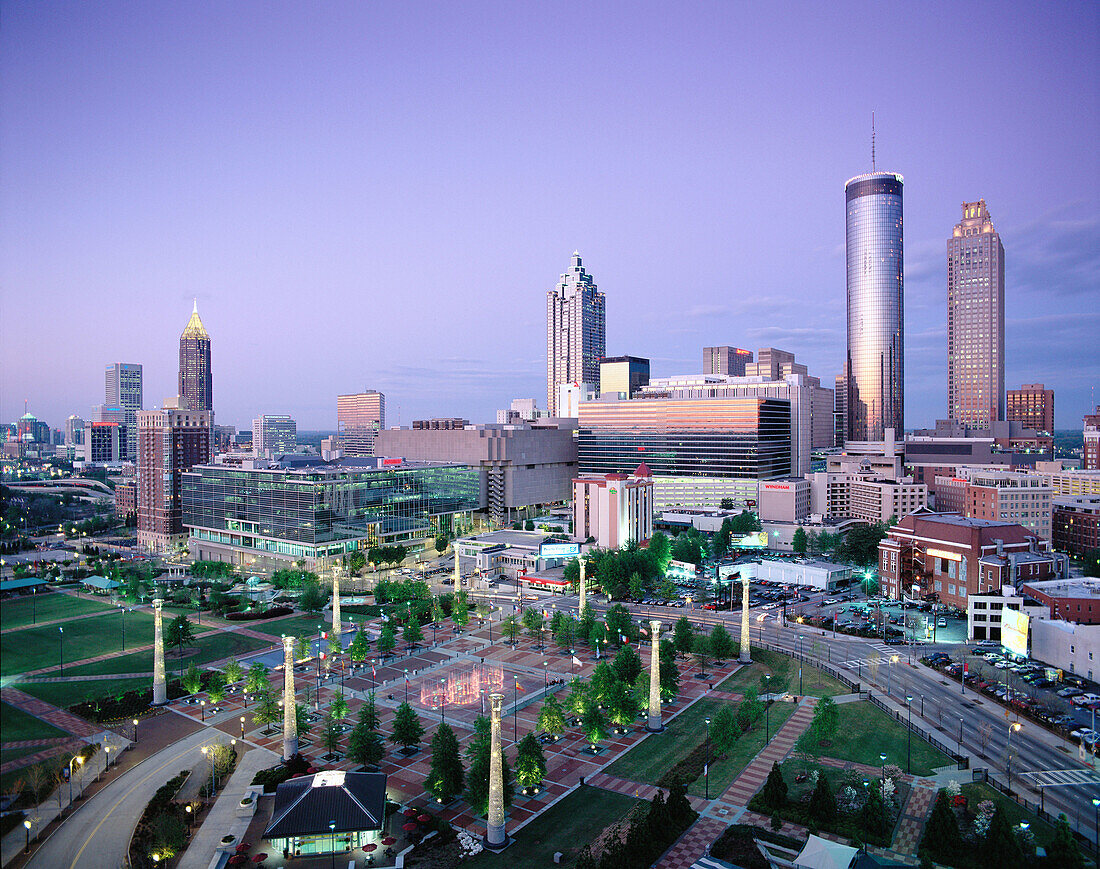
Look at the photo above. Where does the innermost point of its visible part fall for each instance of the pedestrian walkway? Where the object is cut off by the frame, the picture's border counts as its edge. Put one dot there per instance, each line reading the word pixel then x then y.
pixel 914 814
pixel 692 845
pixel 640 790
pixel 46 712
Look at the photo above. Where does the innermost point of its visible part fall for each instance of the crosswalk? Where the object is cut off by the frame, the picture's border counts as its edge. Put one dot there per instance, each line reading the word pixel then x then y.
pixel 1049 778
pixel 881 654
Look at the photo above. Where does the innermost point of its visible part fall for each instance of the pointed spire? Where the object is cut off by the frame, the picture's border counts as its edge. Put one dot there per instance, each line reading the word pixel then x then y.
pixel 195 309
pixel 194 327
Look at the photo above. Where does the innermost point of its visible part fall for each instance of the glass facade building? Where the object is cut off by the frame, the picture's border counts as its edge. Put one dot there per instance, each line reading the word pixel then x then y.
pixel 875 264
pixel 312 511
pixel 748 438
pixel 576 332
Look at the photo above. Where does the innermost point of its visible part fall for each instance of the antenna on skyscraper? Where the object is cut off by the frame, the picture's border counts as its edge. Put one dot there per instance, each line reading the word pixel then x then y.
pixel 872 140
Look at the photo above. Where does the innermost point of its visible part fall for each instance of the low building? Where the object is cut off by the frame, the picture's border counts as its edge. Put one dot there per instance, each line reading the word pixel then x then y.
pixel 784 500
pixel 330 812
pixel 1075 524
pixel 952 445
pixel 983 612
pixel 623 375
pixel 104 443
pixel 614 508
pixel 505 553
pixel 1070 647
pixel 1073 599
pixel 1010 497
pixel 1067 481
pixel 821 575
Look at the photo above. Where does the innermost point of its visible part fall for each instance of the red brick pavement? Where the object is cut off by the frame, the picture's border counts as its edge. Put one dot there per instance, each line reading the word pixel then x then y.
pixel 40 709
pixel 692 845
pixel 914 814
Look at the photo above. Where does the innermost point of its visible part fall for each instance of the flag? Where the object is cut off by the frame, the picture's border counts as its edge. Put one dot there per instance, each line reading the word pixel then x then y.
pixel 406 678
pixel 372 672
pixel 577 662
pixel 643 632
pixel 622 638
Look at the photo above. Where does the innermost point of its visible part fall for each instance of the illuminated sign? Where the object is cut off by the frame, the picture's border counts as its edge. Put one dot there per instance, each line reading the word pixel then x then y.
pixel 1014 631
pixel 782 487
pixel 943 553
pixel 756 540
pixel 680 570
pixel 392 461
pixel 559 550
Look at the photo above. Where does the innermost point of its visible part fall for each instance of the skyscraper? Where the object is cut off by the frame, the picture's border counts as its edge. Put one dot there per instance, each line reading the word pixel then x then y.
pixel 875 264
pixel 274 433
pixel 576 332
pixel 725 360
pixel 975 319
pixel 122 388
pixel 359 418
pixel 196 380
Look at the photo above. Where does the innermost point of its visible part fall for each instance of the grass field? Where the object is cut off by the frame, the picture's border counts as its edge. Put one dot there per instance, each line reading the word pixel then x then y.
pixel 211 647
pixel 65 694
pixel 975 792
pixel 46 607
pixel 34 648
pixel 815 682
pixel 866 731
pixel 724 771
pixel 567 827
pixel 295 626
pixel 18 725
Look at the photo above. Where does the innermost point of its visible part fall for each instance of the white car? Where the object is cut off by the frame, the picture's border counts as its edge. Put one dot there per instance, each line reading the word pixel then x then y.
pixel 993 659
pixel 1002 665
pixel 1086 734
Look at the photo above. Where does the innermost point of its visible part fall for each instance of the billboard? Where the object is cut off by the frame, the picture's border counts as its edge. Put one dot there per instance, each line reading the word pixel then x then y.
pixel 756 540
pixel 683 570
pixel 559 550
pixel 1014 631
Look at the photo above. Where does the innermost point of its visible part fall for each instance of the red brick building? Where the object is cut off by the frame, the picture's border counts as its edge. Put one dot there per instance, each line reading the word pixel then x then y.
pixel 1091 456
pixel 1072 600
pixel 125 499
pixel 1075 524
pixel 949 557
pixel 1032 405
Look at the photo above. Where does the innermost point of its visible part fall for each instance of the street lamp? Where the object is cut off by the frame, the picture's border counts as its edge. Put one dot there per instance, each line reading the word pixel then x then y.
pixel 443 700
pixel 1096 818
pixel 515 711
pixel 79 758
pixel 800 638
pixel 706 766
pixel 1015 725
pixel 545 683
pixel 61 633
pixel 135 722
pixel 202 710
pixel 332 832
pixel 882 760
pixel 767 710
pixel 909 746
pixel 27 827
pixel 406 684
pixel 242 728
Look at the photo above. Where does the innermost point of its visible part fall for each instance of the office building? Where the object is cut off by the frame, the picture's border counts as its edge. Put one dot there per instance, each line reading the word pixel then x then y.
pixel 1075 523
pixel 952 557
pixel 74 431
pixel 359 418
pixel 726 361
pixel 840 409
pixel 1010 496
pixel 576 332
pixel 126 499
pixel 263 515
pixel 196 382
pixel 570 398
pixel 873 240
pixel 448 424
pixel 1032 406
pixel 1074 600
pixel 104 443
pixel 519 466
pixel 274 434
pixel 123 389
pixel 984 611
pixel 975 319
pixel 614 508
pixel 1069 647
pixel 950 445
pixel 623 375
pixel 784 500
pixel 701 451
pixel 1090 457
pixel 519 411
pixel 170 441
pixel 1067 481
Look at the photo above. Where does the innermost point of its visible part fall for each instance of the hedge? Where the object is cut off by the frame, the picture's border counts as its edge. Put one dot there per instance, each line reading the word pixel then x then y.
pixel 252 615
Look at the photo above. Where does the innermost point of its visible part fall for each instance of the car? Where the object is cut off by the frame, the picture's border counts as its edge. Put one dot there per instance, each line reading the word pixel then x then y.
pixel 1083 699
pixel 992 658
pixel 829 601
pixel 941 623
pixel 1002 665
pixel 1070 692
pixel 1063 721
pixel 1085 734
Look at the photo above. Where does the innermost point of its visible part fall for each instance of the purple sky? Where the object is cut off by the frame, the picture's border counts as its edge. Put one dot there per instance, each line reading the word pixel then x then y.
pixel 380 194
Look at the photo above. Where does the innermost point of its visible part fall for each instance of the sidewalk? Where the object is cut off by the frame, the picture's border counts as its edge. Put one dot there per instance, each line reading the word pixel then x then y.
pixel 225 817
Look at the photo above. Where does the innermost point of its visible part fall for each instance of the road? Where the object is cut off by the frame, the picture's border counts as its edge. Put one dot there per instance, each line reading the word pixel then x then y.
pixel 97 834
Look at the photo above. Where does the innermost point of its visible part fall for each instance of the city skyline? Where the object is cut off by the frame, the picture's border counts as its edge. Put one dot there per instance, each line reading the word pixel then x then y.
pixel 672 198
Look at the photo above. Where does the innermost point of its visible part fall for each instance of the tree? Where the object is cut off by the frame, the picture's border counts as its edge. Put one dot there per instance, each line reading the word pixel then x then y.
pixel 179 632
pixel 721 643
pixel 441 543
pixel 267 710
pixel 670 673
pixel 1001 847
pixel 302 722
pixel 750 711
pixel 826 721
pixel 1063 850
pixel 339 707
pixel 660 548
pixel 412 632
pixel 941 839
pixel 636 586
pixel 301 648
pixel 799 543
pixel 689 546
pixel 532 620
pixel 1091 562
pixel 313 598
pixel 330 733
pixel 257 679
pixel 577 701
pixel 701 649
pixel 620 623
pixel 192 679
pixel 365 746
pixel 623 704
pixel 460 610
pixel 386 640
pixel 510 628
pixel 407 729
pixel 446 777
pixel 666 590
pixel 530 763
pixel 627 665
pixel 594 725
pixel 683 635
pixel 724 729
pixel 601 683
pixel 215 688
pixel 774 793
pixel 822 801
pixel 860 544
pixel 360 646
pixel 551 718
pixel 233 671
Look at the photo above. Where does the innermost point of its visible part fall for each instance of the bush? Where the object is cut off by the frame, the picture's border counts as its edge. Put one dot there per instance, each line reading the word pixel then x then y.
pixel 253 615
pixel 162 828
pixel 274 776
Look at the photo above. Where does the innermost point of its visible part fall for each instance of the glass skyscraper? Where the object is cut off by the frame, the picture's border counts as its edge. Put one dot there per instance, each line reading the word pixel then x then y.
pixel 576 332
pixel 196 383
pixel 876 335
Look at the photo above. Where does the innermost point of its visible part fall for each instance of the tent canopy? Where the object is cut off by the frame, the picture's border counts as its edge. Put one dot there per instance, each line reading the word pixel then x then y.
pixel 824 854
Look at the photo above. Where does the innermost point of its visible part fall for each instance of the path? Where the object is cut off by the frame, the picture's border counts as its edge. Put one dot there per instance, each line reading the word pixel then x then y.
pixel 46 712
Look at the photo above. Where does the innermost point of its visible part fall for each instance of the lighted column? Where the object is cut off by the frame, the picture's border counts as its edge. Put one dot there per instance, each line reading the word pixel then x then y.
pixel 290 712
pixel 746 656
pixel 458 577
pixel 160 688
pixel 495 837
pixel 336 602
pixel 581 605
pixel 653 725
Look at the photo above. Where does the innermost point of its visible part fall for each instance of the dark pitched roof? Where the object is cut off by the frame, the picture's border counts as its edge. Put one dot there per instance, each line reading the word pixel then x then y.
pixel 306 806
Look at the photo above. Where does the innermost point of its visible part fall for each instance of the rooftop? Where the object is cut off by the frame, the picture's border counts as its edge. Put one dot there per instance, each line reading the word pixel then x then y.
pixel 308 805
pixel 1072 587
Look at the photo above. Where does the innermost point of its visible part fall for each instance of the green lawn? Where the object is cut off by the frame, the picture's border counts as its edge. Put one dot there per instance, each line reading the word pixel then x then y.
pixel 211 647
pixel 724 771
pixel 568 826
pixel 9 754
pixel 47 606
pixel 65 694
pixel 34 648
pixel 975 792
pixel 866 731
pixel 18 725
pixel 295 626
pixel 815 682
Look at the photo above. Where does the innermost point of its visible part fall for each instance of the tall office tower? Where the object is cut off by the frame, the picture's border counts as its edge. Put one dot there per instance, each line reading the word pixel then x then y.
pixel 274 434
pixel 122 388
pixel 170 441
pixel 840 409
pixel 359 418
pixel 196 380
pixel 74 431
pixel 728 361
pixel 975 319
pixel 1091 455
pixel 623 375
pixel 876 334
pixel 576 332
pixel 1032 405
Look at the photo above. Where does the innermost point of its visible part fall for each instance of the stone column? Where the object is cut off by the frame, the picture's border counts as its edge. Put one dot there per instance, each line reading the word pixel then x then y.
pixel 458 577
pixel 495 837
pixel 336 602
pixel 160 687
pixel 583 590
pixel 746 655
pixel 290 713
pixel 653 725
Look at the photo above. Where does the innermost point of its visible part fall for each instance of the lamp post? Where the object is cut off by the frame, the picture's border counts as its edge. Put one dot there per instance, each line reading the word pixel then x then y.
pixel 800 664
pixel 1015 725
pixel 27 827
pixel 79 758
pixel 34 608
pixel 135 722
pixel 515 711
pixel 882 760
pixel 242 728
pixel 545 683
pixel 706 766
pixel 767 710
pixel 909 745
pixel 188 809
pixel 1096 826
pixel 406 684
pixel 332 835
pixel 202 711
pixel 443 700
pixel 61 634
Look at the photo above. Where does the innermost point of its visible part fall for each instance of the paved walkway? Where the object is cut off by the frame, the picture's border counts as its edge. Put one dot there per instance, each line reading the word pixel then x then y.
pixel 636 789
pixel 692 845
pixel 46 712
pixel 914 814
